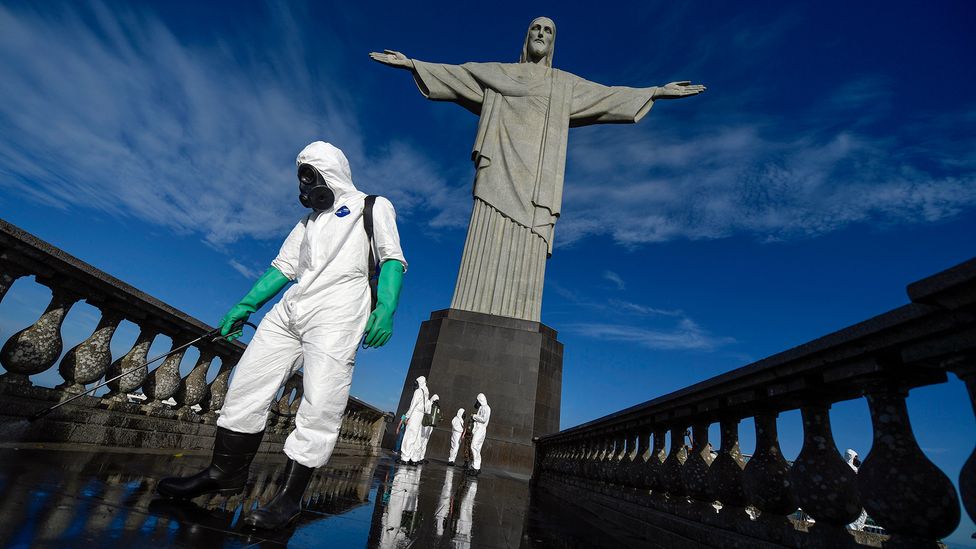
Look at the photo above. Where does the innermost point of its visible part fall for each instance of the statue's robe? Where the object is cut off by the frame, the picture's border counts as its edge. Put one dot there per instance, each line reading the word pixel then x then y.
pixel 525 111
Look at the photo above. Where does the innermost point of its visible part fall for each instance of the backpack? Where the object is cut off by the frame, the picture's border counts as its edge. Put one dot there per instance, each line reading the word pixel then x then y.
pixel 374 271
pixel 433 418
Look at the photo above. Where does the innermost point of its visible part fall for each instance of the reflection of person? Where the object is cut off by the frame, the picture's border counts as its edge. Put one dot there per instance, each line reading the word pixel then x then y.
pixel 435 415
pixel 319 321
pixel 525 110
pixel 412 439
pixel 444 503
pixel 850 456
pixel 478 432
pixel 400 518
pixel 462 537
pixel 457 433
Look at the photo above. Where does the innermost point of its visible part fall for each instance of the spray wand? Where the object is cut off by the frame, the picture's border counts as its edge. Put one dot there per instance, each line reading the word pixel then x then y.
pixel 214 334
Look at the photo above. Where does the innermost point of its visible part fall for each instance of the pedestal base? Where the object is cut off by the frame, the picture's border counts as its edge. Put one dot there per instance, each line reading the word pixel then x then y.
pixel 517 364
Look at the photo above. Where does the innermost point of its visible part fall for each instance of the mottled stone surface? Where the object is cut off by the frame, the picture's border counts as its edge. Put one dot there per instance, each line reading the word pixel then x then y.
pixel 901 489
pixel 766 478
pixel 135 362
pixel 88 361
pixel 672 481
pixel 35 348
pixel 825 485
pixel 725 473
pixel 192 389
pixel 695 470
pixel 163 382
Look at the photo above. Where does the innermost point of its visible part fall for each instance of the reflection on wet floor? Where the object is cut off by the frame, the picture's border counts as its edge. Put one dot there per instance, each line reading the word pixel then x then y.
pixel 74 498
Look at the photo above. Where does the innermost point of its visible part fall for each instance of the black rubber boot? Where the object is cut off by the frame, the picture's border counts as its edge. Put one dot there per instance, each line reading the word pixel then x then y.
pixel 287 505
pixel 227 473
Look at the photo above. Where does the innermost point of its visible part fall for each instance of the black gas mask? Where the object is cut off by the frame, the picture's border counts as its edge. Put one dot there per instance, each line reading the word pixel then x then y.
pixel 313 192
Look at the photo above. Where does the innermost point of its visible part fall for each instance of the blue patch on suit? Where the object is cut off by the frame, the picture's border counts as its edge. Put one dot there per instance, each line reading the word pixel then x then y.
pixel 342 212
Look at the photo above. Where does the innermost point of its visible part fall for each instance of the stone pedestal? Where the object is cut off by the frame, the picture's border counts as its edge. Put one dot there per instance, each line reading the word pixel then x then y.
pixel 517 364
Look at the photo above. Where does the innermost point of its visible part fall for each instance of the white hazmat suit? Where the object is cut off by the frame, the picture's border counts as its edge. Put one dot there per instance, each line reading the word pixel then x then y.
pixel 413 438
pixel 849 456
pixel 428 429
pixel 479 430
pixel 457 431
pixel 319 320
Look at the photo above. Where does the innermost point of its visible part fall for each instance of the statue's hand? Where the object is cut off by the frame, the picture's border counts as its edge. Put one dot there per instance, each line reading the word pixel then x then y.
pixel 393 59
pixel 677 90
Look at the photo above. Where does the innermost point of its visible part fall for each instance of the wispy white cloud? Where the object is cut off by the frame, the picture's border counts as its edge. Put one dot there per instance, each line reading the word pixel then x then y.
pixel 245 271
pixel 615 279
pixel 643 310
pixel 686 336
pixel 743 179
pixel 119 114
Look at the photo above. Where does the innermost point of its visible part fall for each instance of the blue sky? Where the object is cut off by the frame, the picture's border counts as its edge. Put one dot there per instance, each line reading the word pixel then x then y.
pixel 830 163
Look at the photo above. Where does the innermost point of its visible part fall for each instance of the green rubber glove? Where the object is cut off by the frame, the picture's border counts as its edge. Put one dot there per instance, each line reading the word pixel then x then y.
pixel 268 286
pixel 379 326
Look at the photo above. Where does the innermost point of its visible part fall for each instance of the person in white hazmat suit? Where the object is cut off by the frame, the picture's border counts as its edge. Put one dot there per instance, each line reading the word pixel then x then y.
pixel 413 438
pixel 435 412
pixel 320 322
pixel 457 433
pixel 850 456
pixel 478 432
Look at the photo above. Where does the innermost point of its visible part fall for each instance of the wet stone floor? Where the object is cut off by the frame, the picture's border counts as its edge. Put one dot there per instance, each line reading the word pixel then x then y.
pixel 73 497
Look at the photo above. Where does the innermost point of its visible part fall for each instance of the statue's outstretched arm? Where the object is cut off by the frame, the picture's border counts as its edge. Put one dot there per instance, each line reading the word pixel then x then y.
pixel 393 59
pixel 677 90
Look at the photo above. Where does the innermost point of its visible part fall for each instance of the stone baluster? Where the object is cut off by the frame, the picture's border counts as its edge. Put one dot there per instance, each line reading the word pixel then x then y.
pixel 901 489
pixel 8 275
pixel 624 459
pixel 296 401
pixel 217 390
pixel 695 469
pixel 87 362
pixel 134 360
pixel 576 461
pixel 725 475
pixel 965 369
pixel 586 466
pixel 768 483
pixel 163 382
pixel 35 348
pixel 603 460
pixel 604 470
pixel 652 476
pixel 192 389
pixel 671 478
pixel 826 486
pixel 639 460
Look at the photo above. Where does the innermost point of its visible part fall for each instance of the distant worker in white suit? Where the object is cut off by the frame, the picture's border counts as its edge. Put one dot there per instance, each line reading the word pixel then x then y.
pixel 478 432
pixel 850 456
pixel 457 433
pixel 413 438
pixel 435 415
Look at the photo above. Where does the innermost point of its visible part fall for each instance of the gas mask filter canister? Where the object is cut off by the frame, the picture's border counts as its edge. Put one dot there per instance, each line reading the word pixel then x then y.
pixel 313 192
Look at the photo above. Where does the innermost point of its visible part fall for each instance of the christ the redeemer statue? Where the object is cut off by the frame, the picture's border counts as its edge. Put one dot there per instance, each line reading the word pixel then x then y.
pixel 526 110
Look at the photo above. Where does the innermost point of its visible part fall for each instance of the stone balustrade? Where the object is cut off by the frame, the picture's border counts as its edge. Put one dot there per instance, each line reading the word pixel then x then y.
pixel 174 404
pixel 617 467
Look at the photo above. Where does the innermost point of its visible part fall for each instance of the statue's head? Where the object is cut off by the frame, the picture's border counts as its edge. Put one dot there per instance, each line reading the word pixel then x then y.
pixel 540 42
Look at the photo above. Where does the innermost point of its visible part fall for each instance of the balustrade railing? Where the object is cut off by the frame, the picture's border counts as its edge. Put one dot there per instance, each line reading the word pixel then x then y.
pixel 168 394
pixel 880 360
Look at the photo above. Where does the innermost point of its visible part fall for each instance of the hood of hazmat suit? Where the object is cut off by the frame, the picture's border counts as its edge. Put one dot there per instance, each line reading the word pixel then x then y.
pixel 334 167
pixel 460 413
pixel 482 400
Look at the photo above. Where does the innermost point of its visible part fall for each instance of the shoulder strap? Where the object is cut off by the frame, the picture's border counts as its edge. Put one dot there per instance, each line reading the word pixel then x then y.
pixel 368 225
